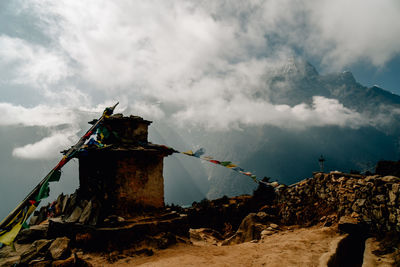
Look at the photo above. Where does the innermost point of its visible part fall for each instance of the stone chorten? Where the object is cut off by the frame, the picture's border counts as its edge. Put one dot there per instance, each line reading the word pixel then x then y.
pixel 126 174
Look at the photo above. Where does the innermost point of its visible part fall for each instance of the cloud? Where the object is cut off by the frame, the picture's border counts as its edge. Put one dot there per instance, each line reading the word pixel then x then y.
pixel 148 110
pixel 338 33
pixel 47 148
pixel 203 61
pixel 351 31
pixel 40 115
pixel 46 117
pixel 241 111
pixel 32 64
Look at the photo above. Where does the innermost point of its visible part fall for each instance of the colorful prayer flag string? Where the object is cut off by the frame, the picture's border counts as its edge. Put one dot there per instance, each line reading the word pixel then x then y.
pixel 227 164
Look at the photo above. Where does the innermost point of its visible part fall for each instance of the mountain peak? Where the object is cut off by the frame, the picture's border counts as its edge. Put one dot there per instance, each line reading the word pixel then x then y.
pixel 298 66
pixel 347 77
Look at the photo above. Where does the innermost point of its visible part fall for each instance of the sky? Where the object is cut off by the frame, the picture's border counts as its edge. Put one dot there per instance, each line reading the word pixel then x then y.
pixel 180 59
pixel 189 63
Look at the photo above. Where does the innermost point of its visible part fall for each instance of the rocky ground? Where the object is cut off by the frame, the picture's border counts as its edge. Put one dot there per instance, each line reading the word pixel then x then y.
pixel 286 247
pixel 329 220
pixel 279 246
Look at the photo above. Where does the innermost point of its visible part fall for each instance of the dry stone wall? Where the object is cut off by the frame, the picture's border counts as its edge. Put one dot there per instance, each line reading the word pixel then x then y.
pixel 373 200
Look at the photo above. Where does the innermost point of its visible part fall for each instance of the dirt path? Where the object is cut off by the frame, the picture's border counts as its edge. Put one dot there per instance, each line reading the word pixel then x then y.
pixel 299 247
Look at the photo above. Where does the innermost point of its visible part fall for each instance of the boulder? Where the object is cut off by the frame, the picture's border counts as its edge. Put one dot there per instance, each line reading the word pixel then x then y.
pixel 83 203
pixel 76 214
pixel 37 249
pixel 274 226
pixel 390 179
pixel 9 251
pixel 59 204
pixel 266 233
pixel 10 261
pixel 33 233
pixel 95 212
pixel 71 203
pixel 162 240
pixel 392 196
pixel 395 188
pixel 380 198
pixel 29 255
pixel 34 220
pixel 360 202
pixel 64 204
pixel 41 215
pixel 40 263
pixel 250 229
pixel 205 235
pixel 42 244
pixel 350 225
pixel 59 249
pixel 84 218
pixel 69 262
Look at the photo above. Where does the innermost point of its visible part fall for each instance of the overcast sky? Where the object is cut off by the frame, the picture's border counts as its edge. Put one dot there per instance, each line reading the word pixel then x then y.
pixel 192 63
pixel 185 61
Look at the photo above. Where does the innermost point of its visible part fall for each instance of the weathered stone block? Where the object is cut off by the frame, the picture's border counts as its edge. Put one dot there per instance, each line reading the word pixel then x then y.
pixel 33 233
pixel 59 249
pixel 76 214
pixel 392 197
pixel 84 218
pixel 391 179
pixel 392 218
pixel 396 188
pixel 380 198
pixel 64 204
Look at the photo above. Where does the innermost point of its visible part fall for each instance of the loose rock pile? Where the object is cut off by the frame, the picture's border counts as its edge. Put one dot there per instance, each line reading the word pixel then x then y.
pixel 42 252
pixel 253 227
pixel 70 208
pixel 226 214
pixel 72 225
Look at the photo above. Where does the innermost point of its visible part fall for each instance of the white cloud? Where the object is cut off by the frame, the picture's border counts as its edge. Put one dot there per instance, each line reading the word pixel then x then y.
pixel 47 148
pixel 349 31
pixel 32 65
pixel 148 110
pixel 41 115
pixel 70 97
pixel 241 111
pixel 46 117
pixel 203 60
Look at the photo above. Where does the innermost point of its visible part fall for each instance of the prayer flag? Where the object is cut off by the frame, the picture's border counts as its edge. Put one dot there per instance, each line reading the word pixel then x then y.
pixel 227 164
pixel 189 153
pixel 199 152
pixel 8 234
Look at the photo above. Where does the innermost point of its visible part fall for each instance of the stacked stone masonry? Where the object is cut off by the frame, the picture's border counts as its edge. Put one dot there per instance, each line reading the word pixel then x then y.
pixel 373 200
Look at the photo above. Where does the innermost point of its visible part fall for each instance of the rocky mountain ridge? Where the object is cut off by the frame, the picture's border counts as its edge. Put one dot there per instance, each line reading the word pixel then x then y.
pixel 287 155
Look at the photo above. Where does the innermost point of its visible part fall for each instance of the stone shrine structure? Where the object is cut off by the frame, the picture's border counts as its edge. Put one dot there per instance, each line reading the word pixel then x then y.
pixel 125 172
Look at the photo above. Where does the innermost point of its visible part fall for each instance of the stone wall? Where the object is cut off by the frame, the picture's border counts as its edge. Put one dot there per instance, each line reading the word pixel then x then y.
pixel 130 129
pixel 125 182
pixel 147 187
pixel 373 200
